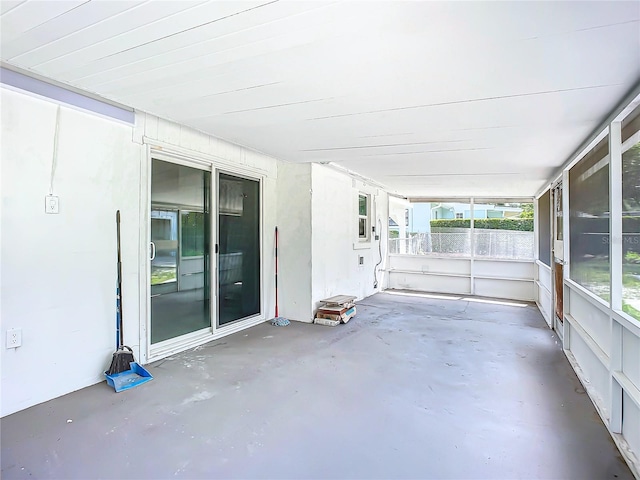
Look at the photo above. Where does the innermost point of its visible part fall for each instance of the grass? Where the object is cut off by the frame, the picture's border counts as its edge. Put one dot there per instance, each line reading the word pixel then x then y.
pixel 163 275
pixel 629 310
pixel 594 274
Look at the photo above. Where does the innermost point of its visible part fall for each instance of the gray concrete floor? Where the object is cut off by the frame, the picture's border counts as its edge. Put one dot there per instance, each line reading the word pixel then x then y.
pixel 412 387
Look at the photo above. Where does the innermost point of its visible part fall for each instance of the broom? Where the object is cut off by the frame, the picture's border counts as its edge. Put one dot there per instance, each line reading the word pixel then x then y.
pixel 278 321
pixel 123 356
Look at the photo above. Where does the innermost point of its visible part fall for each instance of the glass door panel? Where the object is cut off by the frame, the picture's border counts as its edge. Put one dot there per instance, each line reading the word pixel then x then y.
pixel 239 248
pixel 180 236
pixel 164 265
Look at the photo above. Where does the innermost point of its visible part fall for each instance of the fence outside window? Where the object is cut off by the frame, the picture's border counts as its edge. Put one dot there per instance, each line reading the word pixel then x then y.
pixel 506 244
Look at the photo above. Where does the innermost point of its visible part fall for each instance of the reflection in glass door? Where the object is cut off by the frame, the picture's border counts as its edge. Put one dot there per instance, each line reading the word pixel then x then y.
pixel 239 248
pixel 164 238
pixel 180 250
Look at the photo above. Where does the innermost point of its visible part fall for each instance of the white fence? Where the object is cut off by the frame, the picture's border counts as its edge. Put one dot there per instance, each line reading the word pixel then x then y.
pixel 507 244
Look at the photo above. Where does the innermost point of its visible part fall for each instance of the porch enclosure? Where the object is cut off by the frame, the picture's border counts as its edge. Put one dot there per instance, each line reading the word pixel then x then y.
pixel 467 246
pixel 587 264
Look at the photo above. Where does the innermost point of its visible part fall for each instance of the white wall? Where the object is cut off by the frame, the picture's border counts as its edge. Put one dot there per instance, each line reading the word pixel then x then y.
pixel 58 272
pixel 335 244
pixel 294 227
pixel 543 288
pixel 510 279
pixel 319 245
pixel 58 276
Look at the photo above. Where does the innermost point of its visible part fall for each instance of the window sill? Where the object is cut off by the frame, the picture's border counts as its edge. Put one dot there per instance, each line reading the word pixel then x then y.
pixel 362 245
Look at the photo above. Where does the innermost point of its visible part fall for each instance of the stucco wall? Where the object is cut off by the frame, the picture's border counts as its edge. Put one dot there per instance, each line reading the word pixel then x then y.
pixel 58 272
pixel 335 244
pixel 294 227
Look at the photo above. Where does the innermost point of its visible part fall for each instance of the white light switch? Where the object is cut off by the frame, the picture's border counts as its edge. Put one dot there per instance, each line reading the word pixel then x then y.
pixel 51 204
pixel 14 337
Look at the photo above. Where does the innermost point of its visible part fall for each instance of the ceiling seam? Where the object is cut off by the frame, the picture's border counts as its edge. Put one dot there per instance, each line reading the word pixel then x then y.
pixel 189 29
pixel 473 100
pixel 57 16
pixel 108 39
pixel 191 45
pixel 16 57
pixel 13 8
pixel 384 146
pixel 582 30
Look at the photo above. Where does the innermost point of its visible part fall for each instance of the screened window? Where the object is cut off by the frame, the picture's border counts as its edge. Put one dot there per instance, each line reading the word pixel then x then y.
pixel 442 227
pixel 589 228
pixel 544 228
pixel 631 231
pixel 503 229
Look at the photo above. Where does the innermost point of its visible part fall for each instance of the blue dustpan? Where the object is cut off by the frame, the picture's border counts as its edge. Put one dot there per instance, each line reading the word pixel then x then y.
pixel 129 379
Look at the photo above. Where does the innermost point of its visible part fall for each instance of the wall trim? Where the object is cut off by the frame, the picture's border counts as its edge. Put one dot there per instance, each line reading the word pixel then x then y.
pixel 14 79
pixel 206 159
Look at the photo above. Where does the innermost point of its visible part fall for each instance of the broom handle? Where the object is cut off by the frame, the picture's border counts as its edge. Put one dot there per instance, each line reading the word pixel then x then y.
pixel 276 272
pixel 119 299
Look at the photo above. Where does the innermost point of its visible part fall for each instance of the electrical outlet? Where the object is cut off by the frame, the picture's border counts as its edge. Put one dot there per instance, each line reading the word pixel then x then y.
pixel 51 204
pixel 14 337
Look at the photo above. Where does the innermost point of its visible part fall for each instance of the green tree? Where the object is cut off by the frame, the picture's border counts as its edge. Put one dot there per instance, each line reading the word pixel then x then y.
pixel 631 178
pixel 527 210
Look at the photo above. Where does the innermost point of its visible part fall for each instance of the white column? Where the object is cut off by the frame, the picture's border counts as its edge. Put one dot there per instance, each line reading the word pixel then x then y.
pixel 615 258
pixel 615 209
pixel 566 255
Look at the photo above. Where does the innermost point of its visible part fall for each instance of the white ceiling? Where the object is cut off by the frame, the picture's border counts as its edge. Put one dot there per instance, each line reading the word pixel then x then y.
pixel 428 98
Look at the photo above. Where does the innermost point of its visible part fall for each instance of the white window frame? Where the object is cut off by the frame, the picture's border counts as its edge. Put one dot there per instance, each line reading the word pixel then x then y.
pixel 367 218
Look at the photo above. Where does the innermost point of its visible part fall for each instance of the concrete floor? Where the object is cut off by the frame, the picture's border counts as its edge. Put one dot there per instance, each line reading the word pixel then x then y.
pixel 412 387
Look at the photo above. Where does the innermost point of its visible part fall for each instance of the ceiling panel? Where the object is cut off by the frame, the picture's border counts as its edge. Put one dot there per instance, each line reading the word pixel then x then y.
pixel 109 28
pixel 233 40
pixel 79 18
pixel 27 15
pixel 7 5
pixel 429 98
pixel 102 55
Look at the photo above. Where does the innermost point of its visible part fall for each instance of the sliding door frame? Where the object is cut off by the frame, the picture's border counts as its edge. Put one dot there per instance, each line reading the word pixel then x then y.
pixel 149 352
pixel 216 237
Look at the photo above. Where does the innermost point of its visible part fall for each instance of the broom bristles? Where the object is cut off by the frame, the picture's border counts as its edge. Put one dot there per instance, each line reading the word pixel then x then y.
pixel 121 360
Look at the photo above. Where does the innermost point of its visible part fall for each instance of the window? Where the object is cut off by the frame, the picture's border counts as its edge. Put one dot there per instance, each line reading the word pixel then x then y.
pixel 503 229
pixel 193 234
pixel 589 227
pixel 630 231
pixel 363 217
pixel 544 228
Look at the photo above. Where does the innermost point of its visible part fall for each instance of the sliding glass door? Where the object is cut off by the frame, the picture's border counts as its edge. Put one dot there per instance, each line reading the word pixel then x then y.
pixel 180 250
pixel 239 248
pixel 182 223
